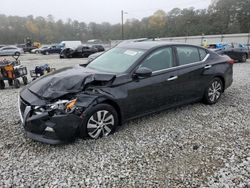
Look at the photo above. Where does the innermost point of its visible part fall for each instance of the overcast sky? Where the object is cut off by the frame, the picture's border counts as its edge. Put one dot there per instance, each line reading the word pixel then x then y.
pixel 94 10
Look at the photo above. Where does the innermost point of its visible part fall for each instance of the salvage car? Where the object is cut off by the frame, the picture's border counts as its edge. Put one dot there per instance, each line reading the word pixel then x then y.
pixel 126 82
pixel 94 56
pixel 80 51
pixel 99 47
pixel 237 52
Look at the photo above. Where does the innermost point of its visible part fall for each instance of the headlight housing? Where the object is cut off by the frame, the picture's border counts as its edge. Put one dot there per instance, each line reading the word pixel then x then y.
pixel 58 107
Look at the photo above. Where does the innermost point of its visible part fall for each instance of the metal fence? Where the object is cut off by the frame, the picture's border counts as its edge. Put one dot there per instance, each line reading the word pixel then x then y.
pixel 242 38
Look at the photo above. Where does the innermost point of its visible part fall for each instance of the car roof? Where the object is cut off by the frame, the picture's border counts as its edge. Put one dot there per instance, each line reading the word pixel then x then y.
pixel 146 45
pixel 9 47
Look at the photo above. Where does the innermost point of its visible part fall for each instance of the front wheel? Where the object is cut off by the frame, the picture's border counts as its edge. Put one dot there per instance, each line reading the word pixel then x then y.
pixel 213 91
pixel 100 121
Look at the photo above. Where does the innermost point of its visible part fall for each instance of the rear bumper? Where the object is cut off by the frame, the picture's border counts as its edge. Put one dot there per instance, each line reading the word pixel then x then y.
pixel 229 77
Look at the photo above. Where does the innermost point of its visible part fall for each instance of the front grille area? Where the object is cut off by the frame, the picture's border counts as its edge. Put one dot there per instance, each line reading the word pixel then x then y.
pixel 23 105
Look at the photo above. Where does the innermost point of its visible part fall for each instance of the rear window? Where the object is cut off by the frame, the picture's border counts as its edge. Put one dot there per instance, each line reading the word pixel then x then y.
pixel 203 53
pixel 187 54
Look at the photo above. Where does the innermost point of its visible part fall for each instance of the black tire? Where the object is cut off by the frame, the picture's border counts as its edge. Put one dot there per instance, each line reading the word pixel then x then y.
pixel 213 91
pixel 17 83
pixel 86 131
pixel 47 53
pixel 243 58
pixel 25 80
pixel 37 52
pixel 17 53
pixel 10 82
pixel 2 84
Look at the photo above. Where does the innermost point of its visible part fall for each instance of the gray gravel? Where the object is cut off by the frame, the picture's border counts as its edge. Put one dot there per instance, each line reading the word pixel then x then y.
pixel 191 146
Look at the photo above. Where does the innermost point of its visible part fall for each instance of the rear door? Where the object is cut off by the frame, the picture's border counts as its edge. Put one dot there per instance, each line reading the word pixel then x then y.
pixel 191 66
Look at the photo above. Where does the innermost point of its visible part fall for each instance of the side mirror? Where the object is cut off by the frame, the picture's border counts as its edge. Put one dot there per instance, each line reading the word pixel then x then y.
pixel 143 72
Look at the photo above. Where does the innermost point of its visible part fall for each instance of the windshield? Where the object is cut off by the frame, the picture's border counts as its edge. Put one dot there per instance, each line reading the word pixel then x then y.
pixel 116 60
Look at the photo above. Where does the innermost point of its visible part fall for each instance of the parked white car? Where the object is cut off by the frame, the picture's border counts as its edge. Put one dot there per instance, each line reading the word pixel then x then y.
pixel 10 50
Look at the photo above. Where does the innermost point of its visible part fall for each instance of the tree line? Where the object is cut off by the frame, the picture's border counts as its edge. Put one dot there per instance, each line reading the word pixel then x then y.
pixel 221 17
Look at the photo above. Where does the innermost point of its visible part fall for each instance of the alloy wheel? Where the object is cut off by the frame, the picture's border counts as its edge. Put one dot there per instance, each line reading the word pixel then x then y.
pixel 100 124
pixel 214 91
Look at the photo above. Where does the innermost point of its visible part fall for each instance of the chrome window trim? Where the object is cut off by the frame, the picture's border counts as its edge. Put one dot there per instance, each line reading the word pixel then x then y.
pixel 179 66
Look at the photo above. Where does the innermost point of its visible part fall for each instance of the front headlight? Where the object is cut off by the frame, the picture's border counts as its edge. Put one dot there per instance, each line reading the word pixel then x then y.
pixel 61 106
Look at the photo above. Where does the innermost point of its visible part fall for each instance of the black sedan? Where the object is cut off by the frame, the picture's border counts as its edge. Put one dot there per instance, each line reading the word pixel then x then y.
pixel 80 51
pixel 126 82
pixel 54 49
pixel 237 52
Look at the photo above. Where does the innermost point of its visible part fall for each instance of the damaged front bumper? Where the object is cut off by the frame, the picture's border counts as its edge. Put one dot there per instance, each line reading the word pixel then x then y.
pixel 46 127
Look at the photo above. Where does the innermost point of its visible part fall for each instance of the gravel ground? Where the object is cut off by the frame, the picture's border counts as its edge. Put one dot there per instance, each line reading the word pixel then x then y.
pixel 191 146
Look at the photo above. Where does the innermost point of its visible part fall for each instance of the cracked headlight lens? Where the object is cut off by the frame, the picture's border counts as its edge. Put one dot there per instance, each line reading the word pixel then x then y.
pixel 63 106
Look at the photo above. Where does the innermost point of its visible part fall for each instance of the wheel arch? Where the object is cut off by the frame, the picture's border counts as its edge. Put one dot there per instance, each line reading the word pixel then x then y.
pixel 116 107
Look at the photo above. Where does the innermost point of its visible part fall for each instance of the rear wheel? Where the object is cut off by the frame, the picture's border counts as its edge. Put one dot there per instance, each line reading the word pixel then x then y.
pixel 100 121
pixel 17 83
pixel 243 58
pixel 213 91
pixel 25 80
pixel 2 84
pixel 17 53
pixel 47 53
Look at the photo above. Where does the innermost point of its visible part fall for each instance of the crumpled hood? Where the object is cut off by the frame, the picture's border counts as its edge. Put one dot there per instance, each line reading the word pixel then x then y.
pixel 65 81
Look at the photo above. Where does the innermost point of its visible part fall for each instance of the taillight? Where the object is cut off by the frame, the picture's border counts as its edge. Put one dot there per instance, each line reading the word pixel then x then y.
pixel 231 61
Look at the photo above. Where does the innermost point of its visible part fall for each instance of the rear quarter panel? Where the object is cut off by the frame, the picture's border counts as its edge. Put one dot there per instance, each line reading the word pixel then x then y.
pixel 220 68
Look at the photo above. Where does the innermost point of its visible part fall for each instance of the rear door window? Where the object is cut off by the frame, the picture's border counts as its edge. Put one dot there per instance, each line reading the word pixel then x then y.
pixel 187 54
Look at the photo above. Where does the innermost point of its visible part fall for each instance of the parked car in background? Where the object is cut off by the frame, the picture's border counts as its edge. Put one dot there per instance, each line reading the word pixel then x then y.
pixel 126 82
pixel 10 50
pixel 93 56
pixel 54 49
pixel 80 51
pixel 99 47
pixel 38 50
pixel 70 44
pixel 26 48
pixel 237 52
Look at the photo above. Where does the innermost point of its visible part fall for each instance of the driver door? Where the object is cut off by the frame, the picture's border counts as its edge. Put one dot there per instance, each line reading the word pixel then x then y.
pixel 150 94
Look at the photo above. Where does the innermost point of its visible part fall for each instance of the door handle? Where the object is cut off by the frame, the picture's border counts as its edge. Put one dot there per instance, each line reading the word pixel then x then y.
pixel 207 66
pixel 172 78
